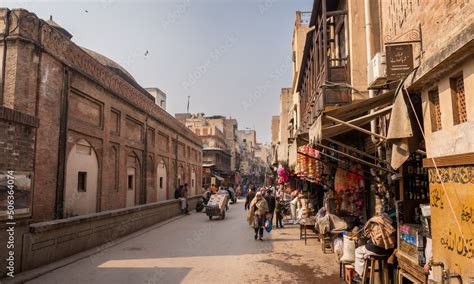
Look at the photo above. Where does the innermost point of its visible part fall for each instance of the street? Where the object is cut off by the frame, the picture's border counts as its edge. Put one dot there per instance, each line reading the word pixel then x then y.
pixel 193 249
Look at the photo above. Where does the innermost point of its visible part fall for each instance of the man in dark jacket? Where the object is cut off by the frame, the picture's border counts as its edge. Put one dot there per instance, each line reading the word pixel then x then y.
pixel 270 198
pixel 250 196
pixel 178 192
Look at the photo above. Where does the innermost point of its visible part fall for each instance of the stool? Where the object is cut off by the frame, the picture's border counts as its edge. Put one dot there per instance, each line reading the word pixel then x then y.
pixel 342 268
pixel 349 272
pixel 369 263
pixel 326 244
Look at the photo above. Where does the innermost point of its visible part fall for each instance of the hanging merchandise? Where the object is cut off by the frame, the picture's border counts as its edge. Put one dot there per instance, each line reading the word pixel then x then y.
pixel 282 175
pixel 309 166
pixel 349 186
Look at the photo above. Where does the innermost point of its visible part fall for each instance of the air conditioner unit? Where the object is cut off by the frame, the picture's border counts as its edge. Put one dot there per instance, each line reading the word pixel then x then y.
pixel 377 75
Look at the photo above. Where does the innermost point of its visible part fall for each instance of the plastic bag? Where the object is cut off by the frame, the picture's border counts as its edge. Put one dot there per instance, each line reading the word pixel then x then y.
pixel 268 226
pixel 348 250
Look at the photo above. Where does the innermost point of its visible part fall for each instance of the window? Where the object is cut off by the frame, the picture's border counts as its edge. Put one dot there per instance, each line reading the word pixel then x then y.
pixel 130 182
pixel 161 182
pixel 435 110
pixel 82 182
pixel 192 183
pixel 458 98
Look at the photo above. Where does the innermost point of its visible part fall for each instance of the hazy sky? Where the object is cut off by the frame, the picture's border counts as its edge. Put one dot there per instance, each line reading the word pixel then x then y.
pixel 231 57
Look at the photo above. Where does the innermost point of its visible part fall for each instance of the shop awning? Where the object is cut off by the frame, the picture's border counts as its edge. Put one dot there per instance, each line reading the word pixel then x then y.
pixel 354 116
pixel 357 108
pixel 346 126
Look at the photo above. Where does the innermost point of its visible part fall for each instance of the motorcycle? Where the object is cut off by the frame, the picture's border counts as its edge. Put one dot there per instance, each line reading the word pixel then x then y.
pixel 201 204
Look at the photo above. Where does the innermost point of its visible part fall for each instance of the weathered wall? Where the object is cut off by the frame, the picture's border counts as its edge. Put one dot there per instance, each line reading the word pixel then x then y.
pixel 451 139
pixel 452 244
pixel 286 102
pixel 17 142
pixel 357 48
pixel 445 26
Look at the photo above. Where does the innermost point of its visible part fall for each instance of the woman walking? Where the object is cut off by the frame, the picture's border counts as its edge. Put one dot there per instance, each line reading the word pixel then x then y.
pixel 257 214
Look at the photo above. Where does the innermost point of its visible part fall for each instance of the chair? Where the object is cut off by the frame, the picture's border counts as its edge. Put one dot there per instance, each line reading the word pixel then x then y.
pixel 369 269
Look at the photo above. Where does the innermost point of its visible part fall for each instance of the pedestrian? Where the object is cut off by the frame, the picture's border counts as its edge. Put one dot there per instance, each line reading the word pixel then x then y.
pixel 213 189
pixel 257 215
pixel 184 195
pixel 238 191
pixel 294 204
pixel 278 213
pixel 270 198
pixel 180 195
pixel 249 197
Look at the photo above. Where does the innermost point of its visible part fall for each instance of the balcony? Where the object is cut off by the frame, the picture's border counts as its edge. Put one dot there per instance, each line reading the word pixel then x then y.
pixel 324 77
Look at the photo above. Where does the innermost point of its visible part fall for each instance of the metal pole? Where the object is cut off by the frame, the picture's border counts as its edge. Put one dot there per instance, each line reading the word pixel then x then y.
pixel 356 150
pixel 355 127
pixel 354 158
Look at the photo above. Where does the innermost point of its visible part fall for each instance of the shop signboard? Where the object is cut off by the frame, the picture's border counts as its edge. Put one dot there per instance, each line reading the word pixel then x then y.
pixel 453 240
pixel 399 59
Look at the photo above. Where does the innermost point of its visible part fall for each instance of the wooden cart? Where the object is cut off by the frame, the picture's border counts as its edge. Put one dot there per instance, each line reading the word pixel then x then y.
pixel 217 205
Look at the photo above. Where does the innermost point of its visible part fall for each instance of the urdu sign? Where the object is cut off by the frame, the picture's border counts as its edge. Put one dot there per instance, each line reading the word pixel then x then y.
pixel 399 60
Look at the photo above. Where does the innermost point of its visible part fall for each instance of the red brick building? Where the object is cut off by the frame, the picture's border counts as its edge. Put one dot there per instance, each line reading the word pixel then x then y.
pixel 80 133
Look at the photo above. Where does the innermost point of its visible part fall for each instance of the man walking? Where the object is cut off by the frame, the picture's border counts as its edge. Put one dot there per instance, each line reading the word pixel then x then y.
pixel 270 198
pixel 249 197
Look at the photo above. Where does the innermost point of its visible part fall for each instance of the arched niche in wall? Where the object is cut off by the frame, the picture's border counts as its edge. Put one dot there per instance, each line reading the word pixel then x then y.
pixel 162 181
pixel 133 180
pixel 82 169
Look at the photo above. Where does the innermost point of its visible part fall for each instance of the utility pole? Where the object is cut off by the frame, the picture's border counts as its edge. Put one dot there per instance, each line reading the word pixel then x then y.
pixel 187 109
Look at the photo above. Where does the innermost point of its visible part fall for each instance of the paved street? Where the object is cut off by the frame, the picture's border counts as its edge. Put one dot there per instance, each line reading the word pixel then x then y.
pixel 193 249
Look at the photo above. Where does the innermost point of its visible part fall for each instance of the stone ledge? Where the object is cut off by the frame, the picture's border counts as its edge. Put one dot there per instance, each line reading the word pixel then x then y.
pixel 61 223
pixel 54 240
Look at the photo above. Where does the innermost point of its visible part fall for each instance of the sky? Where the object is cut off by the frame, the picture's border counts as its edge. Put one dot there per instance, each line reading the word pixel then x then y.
pixel 231 57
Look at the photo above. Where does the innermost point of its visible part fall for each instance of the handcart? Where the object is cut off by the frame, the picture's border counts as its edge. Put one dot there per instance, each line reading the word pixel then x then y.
pixel 217 205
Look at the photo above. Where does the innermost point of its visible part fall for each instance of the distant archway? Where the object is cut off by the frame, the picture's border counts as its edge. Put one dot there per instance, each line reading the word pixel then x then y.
pixel 82 168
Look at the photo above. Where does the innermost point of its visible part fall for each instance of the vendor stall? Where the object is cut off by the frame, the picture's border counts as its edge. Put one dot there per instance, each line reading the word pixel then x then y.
pixel 414 237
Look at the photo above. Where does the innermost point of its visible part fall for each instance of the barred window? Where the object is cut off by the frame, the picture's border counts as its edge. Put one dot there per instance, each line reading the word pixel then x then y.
pixel 458 99
pixel 435 110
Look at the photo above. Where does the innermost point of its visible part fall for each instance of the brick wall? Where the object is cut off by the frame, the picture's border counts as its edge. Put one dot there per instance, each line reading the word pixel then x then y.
pixel 103 108
pixel 441 22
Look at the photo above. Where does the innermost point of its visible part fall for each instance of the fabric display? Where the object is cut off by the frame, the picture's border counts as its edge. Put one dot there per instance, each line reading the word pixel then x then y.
pixel 349 187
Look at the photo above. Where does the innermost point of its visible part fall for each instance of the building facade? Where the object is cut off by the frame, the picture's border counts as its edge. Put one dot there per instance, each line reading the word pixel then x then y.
pixel 217 141
pixel 439 36
pixel 93 139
